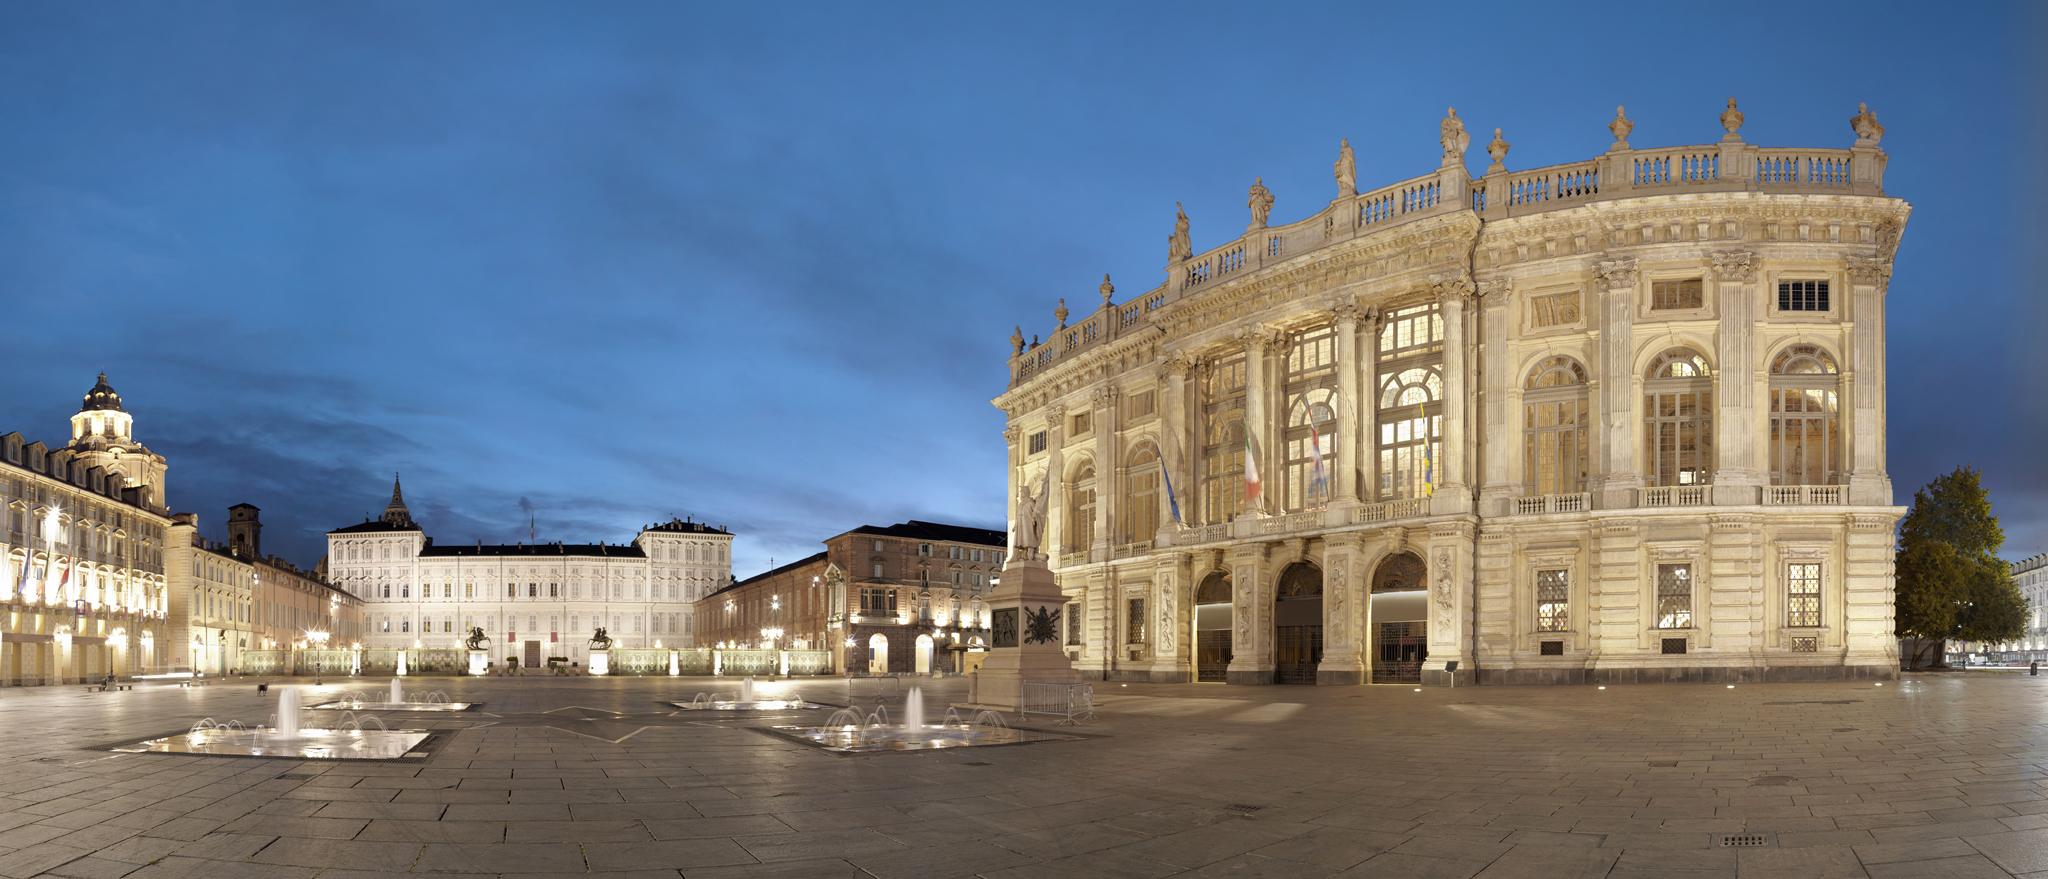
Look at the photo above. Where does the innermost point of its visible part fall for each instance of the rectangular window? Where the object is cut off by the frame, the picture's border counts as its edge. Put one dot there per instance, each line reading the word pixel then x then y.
pixel 1074 622
pixel 924 549
pixel 1802 595
pixel 1082 423
pixel 1553 597
pixel 878 570
pixel 1134 622
pixel 1802 295
pixel 533 590
pixel 1141 405
pixel 1037 443
pixel 955 551
pixel 878 546
pixel 1668 295
pixel 1554 309
pixel 511 590
pixel 404 624
pixel 1674 598
pixel 469 590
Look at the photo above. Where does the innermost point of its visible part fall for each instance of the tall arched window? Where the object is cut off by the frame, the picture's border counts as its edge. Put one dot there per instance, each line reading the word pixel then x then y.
pixel 1678 419
pixel 1140 515
pixel 1309 444
pixel 1554 427
pixel 1081 509
pixel 1805 420
pixel 1223 390
pixel 1411 432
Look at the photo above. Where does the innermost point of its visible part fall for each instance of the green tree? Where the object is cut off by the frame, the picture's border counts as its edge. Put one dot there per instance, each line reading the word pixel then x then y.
pixel 1951 583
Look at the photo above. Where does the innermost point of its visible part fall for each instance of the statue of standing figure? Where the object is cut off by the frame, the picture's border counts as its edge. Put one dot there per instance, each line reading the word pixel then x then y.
pixel 1261 203
pixel 1177 245
pixel 1031 519
pixel 1347 170
pixel 1452 134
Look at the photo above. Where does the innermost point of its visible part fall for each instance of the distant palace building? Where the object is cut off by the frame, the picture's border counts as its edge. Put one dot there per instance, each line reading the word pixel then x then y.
pixel 82 532
pixel 904 599
pixel 533 600
pixel 1611 421
pixel 229 598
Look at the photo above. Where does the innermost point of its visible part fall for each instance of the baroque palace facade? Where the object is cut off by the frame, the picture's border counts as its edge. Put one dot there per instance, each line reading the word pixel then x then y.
pixel 534 601
pixel 1612 421
pixel 82 531
pixel 227 599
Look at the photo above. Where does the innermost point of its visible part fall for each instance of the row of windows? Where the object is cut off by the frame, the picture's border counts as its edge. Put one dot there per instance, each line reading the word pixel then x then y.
pixel 659 624
pixel 676 591
pixel 1562 308
pixel 685 553
pixel 1674 607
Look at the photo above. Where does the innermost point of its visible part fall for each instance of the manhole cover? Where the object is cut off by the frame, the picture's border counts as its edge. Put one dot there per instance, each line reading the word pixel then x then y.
pixel 1242 808
pixel 1773 779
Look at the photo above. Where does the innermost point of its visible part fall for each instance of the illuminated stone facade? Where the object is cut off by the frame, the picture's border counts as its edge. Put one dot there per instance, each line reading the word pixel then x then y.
pixel 534 601
pixel 1617 420
pixel 82 540
pixel 227 598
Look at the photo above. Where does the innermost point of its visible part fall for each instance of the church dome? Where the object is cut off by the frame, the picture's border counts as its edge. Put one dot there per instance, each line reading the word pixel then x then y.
pixel 101 397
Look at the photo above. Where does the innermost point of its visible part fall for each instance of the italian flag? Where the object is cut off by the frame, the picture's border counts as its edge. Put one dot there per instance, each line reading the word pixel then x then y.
pixel 1251 471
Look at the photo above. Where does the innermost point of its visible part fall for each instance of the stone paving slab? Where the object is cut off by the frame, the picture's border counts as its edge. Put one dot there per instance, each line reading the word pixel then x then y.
pixel 1935 776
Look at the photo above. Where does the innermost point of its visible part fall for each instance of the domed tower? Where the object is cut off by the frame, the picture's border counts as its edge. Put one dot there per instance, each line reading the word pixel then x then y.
pixel 103 436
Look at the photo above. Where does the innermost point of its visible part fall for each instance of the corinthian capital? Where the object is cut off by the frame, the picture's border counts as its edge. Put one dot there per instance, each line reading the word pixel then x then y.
pixel 1178 364
pixel 1493 291
pixel 1617 272
pixel 1055 413
pixel 1257 338
pixel 1449 286
pixel 1344 312
pixel 1735 265
pixel 1869 269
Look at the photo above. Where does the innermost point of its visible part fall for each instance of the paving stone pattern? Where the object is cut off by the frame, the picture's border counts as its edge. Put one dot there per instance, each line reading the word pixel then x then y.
pixel 1935 776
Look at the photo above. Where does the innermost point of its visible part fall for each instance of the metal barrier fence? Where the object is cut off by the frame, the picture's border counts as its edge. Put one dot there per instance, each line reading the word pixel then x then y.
pixel 810 662
pixel 693 661
pixel 749 662
pixel 1073 702
pixel 639 661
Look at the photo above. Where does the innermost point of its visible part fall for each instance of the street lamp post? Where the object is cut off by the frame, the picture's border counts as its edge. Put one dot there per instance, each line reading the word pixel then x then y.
pixel 319 642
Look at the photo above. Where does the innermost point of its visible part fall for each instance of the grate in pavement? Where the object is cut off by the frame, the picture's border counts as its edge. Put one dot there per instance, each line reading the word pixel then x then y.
pixel 1745 840
pixel 1242 808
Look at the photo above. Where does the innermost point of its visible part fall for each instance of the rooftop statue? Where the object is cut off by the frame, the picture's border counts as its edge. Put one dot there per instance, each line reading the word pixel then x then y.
pixel 1017 341
pixel 1347 170
pixel 1454 137
pixel 1177 246
pixel 1261 203
pixel 1866 125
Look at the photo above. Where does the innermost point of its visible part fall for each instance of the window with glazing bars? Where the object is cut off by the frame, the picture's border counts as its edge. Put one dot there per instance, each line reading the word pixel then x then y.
pixel 1074 622
pixel 1674 596
pixel 1802 295
pixel 1802 595
pixel 1553 595
pixel 1667 295
pixel 1134 622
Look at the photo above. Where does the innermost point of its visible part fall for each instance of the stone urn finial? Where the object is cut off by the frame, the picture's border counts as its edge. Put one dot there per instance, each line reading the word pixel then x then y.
pixel 1060 313
pixel 1498 149
pixel 1868 132
pixel 1731 119
pixel 1621 127
pixel 1106 289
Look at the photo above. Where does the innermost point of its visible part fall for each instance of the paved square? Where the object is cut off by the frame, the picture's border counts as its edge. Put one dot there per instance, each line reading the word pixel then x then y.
pixel 1936 776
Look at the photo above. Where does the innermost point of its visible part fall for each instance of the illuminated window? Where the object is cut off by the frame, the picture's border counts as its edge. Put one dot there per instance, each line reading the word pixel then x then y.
pixel 1805 432
pixel 1554 422
pixel 1674 596
pixel 1140 519
pixel 1669 295
pixel 1553 597
pixel 1223 445
pixel 1802 595
pixel 1678 419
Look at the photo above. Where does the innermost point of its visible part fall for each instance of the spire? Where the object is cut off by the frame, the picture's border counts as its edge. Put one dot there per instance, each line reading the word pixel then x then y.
pixel 396 515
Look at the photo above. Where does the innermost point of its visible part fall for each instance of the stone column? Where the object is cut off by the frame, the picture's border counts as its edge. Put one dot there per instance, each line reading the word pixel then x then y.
pixel 1863 383
pixel 1109 471
pixel 1366 442
pixel 1615 479
pixel 1257 423
pixel 1344 467
pixel 1013 437
pixel 1450 556
pixel 1176 457
pixel 1454 488
pixel 1054 541
pixel 1738 414
pixel 1172 594
pixel 1251 617
pixel 1497 453
pixel 1343 613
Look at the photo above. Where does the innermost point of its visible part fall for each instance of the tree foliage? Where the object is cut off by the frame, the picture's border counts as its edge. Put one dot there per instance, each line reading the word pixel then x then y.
pixel 1951 583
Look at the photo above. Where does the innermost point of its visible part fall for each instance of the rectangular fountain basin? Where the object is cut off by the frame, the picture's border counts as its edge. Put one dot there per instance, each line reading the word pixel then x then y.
pixel 396 706
pixel 313 744
pixel 756 705
pixel 858 740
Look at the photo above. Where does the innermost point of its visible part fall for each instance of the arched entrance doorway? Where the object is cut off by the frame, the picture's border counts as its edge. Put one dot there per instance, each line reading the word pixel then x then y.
pixel 1212 628
pixel 1400 619
pixel 924 655
pixel 1298 624
pixel 878 655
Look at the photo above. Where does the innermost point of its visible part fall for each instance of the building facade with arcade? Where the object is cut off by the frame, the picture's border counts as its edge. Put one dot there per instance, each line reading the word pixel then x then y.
pixel 1616 420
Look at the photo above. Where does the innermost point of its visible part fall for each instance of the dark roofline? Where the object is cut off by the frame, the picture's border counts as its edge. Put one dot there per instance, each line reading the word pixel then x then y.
pixel 608 550
pixel 937 531
pixel 807 560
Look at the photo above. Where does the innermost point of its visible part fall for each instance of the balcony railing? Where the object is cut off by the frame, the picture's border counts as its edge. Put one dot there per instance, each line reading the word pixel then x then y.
pixel 1552 503
pixel 1784 495
pixel 1675 496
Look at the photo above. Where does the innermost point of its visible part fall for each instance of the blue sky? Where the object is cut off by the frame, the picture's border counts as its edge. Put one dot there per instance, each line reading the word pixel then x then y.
pixel 757 263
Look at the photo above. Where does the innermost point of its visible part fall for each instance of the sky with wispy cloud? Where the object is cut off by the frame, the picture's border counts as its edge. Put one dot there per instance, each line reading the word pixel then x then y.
pixel 757 264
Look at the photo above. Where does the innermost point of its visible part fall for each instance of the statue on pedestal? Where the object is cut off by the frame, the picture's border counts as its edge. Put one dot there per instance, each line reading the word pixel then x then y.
pixel 1031 519
pixel 477 639
pixel 1347 170
pixel 1177 246
pixel 1452 135
pixel 1261 203
pixel 599 640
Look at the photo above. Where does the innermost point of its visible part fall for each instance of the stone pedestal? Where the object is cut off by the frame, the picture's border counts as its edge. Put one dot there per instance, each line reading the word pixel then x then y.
pixel 479 662
pixel 600 661
pixel 1024 637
